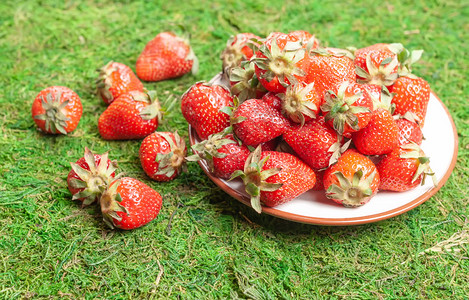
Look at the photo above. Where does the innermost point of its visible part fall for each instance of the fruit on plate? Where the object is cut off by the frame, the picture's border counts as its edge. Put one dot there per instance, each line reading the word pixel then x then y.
pixel 238 50
pixel 116 79
pixel 90 176
pixel 352 181
pixel 129 203
pixel 222 153
pixel 201 107
pixel 408 129
pixel 166 56
pixel 404 168
pixel 255 122
pixel 57 110
pixel 133 115
pixel 274 178
pixel 162 155
pixel 300 102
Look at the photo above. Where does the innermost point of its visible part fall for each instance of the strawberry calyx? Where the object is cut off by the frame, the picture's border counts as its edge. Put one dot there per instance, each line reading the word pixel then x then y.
pixel 55 114
pixel 96 180
pixel 208 149
pixel 406 60
pixel 103 83
pixel 295 104
pixel 151 111
pixel 254 178
pixel 280 63
pixel 413 150
pixel 110 203
pixel 169 163
pixel 337 149
pixel 385 100
pixel 247 84
pixel 351 193
pixel 341 109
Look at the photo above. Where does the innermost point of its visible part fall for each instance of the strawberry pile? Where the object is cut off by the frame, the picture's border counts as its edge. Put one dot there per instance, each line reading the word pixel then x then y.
pixel 132 113
pixel 290 116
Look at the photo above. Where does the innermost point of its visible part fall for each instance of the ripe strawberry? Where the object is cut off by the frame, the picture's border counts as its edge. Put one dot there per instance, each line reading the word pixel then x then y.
pixel 162 155
pixel 244 83
pixel 90 177
pixel 300 102
pixel 352 181
pixel 255 122
pixel 378 64
pixel 238 50
pixel 116 79
pixel 201 106
pixel 166 56
pixel 408 130
pixel 380 136
pixel 131 116
pixel 222 153
pixel 404 168
pixel 328 68
pixel 349 109
pixel 129 203
pixel 280 62
pixel 57 110
pixel 273 100
pixel 314 142
pixel 274 178
pixel 411 94
pixel 319 186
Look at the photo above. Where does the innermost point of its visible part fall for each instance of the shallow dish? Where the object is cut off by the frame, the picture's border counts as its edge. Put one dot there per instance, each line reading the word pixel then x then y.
pixel 440 144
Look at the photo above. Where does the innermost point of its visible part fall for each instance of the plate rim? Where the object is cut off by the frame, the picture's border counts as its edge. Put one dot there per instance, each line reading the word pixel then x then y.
pixel 341 221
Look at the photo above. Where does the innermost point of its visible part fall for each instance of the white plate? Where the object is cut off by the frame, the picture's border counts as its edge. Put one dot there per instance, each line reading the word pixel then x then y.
pixel 440 144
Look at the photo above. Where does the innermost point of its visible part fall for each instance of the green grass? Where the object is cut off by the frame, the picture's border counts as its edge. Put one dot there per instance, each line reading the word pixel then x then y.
pixel 205 244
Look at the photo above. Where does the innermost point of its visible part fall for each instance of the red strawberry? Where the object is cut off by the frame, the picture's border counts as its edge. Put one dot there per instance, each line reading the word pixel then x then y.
pixel 408 130
pixel 352 181
pixel 90 177
pixel 129 203
pixel 131 116
pixel 319 186
pixel 328 68
pixel 378 64
pixel 166 56
pixel 244 83
pixel 201 106
pixel 404 168
pixel 237 50
pixel 222 153
pixel 57 110
pixel 116 79
pixel 315 143
pixel 273 100
pixel 380 136
pixel 162 155
pixel 279 62
pixel 274 178
pixel 349 109
pixel 255 122
pixel 305 38
pixel 411 94
pixel 300 102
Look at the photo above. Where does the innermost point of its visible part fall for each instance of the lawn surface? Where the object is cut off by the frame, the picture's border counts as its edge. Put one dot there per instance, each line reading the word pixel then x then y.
pixel 205 244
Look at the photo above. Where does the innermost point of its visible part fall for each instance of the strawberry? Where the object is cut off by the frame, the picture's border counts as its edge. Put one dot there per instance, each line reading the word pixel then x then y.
pixel 255 122
pixel 129 203
pixel 349 109
pixel 300 102
pixel 244 83
pixel 162 155
pixel 279 62
pixel 238 50
pixel 131 116
pixel 274 178
pixel 408 130
pixel 222 153
pixel 201 106
pixel 306 39
pixel 166 56
pixel 90 177
pixel 404 168
pixel 328 68
pixel 57 110
pixel 352 181
pixel 411 94
pixel 380 136
pixel 378 64
pixel 116 79
pixel 315 143
pixel 273 100
pixel 319 186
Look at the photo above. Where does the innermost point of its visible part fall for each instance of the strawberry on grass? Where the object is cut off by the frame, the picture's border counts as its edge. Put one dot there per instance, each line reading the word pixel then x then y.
pixel 57 110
